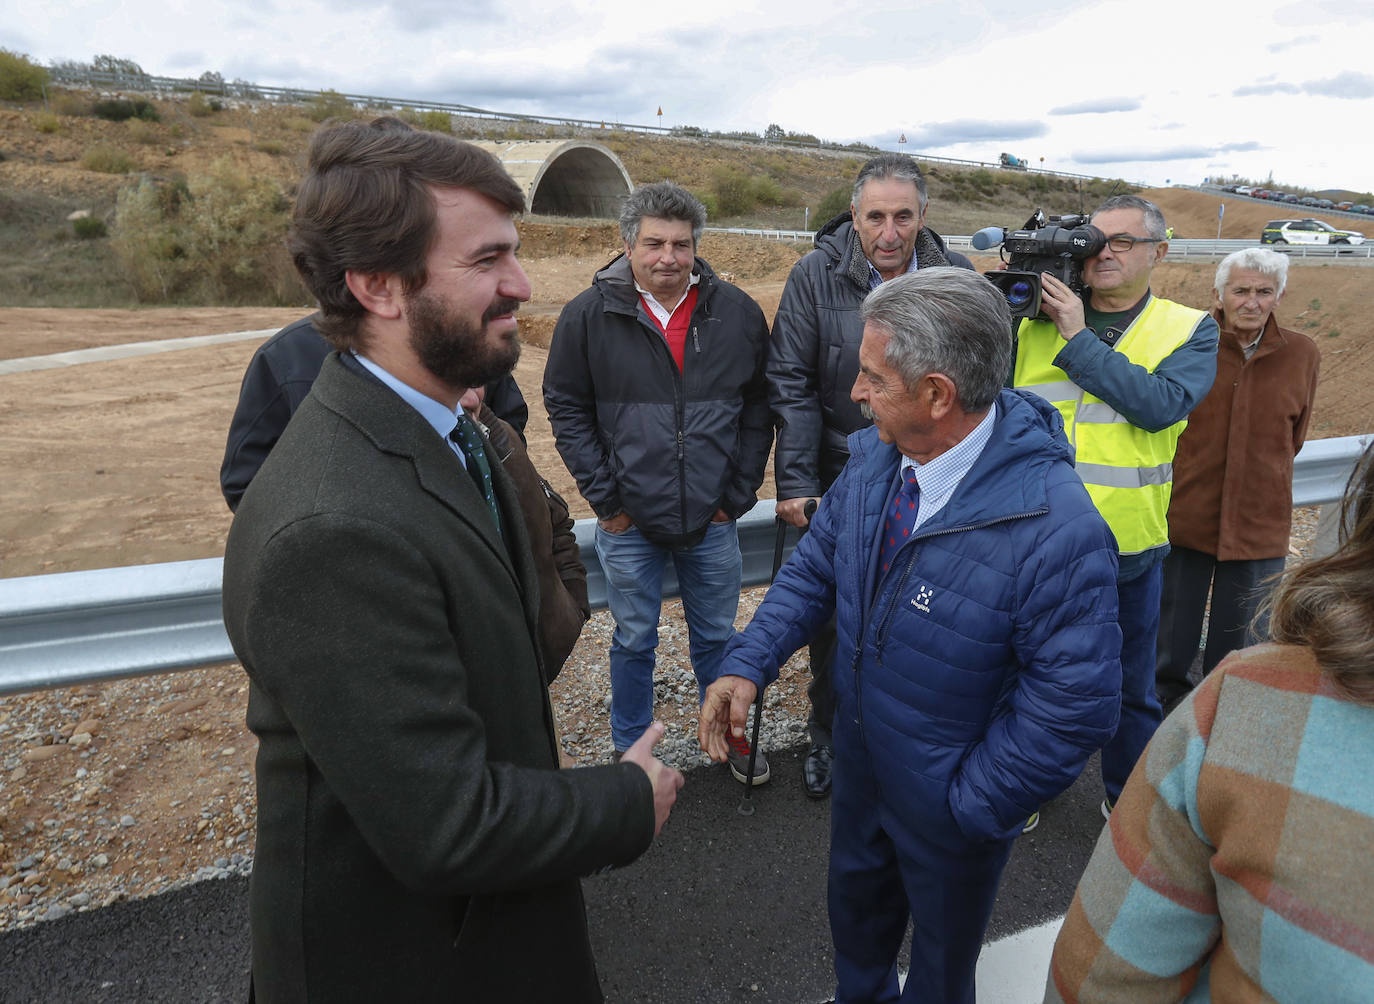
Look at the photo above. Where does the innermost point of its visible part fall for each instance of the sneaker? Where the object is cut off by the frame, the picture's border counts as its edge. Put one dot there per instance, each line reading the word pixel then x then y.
pixel 1107 806
pixel 739 760
pixel 1031 823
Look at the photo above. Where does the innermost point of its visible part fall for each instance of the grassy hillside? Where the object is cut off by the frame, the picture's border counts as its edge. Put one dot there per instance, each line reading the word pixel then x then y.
pixel 63 159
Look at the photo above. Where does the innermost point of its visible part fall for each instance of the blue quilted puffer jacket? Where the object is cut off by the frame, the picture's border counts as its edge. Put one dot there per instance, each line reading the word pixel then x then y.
pixel 983 669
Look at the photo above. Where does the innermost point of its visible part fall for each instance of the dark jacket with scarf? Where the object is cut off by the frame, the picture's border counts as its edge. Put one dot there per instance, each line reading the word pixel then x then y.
pixel 416 840
pixel 666 446
pixel 814 355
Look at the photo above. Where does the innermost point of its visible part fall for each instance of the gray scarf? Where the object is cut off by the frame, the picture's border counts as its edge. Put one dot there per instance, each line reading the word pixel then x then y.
pixel 927 252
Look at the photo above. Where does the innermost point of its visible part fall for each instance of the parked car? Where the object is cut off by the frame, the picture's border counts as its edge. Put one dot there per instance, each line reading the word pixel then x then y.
pixel 1359 207
pixel 1244 190
pixel 1307 231
pixel 1344 205
pixel 1325 204
pixel 1290 197
pixel 1308 200
pixel 1259 193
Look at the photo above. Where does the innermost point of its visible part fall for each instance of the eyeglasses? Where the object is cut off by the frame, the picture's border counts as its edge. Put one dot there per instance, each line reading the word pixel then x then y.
pixel 1124 242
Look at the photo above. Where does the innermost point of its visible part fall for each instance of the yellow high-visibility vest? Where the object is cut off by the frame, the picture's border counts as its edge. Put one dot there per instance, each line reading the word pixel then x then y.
pixel 1129 472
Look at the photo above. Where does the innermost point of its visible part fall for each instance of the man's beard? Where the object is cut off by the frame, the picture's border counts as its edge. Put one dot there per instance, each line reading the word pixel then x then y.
pixel 866 411
pixel 454 350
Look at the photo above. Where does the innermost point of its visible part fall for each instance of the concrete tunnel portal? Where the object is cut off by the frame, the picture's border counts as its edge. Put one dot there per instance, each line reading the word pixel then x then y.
pixel 566 177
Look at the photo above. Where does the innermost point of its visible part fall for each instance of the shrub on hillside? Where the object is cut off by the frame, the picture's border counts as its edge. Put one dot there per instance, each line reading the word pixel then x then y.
pixel 328 105
pixel 738 192
pixel 434 121
pixel 141 131
pixel 67 103
pixel 200 106
pixel 216 238
pixel 120 109
pixel 733 190
pixel 46 122
pixel 832 205
pixel 88 227
pixel 982 181
pixel 107 160
pixel 21 79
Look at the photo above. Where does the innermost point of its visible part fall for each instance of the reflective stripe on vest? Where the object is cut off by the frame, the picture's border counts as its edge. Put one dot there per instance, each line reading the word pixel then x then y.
pixel 1128 471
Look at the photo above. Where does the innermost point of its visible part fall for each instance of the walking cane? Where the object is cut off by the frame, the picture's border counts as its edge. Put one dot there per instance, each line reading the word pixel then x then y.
pixel 746 805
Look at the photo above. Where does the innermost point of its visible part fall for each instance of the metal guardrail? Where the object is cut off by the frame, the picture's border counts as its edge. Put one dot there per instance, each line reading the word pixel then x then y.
pixel 1323 466
pixel 1202 247
pixel 82 627
pixel 1190 247
pixel 806 236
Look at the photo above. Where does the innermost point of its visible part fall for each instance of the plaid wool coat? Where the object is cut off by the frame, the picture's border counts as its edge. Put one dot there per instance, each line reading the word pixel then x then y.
pixel 1237 864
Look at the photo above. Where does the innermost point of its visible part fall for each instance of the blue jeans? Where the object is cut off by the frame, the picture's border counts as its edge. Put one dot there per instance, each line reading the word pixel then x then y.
pixel 1140 710
pixel 708 578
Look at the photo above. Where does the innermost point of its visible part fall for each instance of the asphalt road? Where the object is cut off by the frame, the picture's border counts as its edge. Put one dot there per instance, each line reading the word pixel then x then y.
pixel 723 908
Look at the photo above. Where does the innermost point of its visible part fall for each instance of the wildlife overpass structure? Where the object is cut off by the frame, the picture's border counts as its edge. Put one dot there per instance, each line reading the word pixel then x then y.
pixel 573 177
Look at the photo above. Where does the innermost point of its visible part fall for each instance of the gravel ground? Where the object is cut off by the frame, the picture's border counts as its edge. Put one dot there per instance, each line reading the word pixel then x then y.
pixel 140 786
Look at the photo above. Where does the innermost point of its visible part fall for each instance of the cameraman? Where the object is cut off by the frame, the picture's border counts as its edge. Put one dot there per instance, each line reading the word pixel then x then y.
pixel 1124 367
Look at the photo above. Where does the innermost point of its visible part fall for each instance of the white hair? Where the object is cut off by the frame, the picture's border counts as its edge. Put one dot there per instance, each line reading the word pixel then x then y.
pixel 1261 260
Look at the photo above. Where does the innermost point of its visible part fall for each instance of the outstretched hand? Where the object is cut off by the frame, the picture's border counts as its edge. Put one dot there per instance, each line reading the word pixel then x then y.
pixel 726 706
pixel 665 780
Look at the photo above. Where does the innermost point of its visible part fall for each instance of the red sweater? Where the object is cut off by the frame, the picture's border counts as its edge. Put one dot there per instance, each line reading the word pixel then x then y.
pixel 676 332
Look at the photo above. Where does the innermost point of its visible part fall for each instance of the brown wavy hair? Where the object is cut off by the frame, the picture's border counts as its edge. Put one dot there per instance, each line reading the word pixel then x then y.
pixel 1328 604
pixel 366 205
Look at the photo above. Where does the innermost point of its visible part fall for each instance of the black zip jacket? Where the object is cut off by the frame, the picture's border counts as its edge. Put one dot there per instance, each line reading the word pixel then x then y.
pixel 814 357
pixel 666 447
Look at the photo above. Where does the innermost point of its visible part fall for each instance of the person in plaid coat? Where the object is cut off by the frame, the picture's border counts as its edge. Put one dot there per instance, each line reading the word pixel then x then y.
pixel 1236 864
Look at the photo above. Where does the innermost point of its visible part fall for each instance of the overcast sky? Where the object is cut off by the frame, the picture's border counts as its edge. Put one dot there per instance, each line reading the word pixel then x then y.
pixel 1156 93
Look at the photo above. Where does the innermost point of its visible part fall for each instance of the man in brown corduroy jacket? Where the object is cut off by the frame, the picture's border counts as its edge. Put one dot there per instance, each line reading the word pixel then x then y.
pixel 1232 505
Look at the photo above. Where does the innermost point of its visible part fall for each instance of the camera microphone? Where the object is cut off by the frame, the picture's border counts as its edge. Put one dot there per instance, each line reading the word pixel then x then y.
pixel 988 237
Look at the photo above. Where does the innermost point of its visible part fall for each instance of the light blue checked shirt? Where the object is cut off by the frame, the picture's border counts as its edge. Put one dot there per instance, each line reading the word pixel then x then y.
pixel 939 477
pixel 875 278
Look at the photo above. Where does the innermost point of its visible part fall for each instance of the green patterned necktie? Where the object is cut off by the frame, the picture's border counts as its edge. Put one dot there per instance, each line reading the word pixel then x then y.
pixel 466 436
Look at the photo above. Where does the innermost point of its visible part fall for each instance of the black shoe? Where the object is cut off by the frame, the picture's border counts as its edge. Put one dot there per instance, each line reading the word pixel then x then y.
pixel 816 770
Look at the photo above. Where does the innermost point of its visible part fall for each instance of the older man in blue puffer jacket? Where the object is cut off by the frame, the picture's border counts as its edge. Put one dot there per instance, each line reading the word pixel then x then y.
pixel 977 665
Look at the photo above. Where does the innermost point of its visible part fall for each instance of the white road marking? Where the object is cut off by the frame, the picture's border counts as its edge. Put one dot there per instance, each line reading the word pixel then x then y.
pixel 104 353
